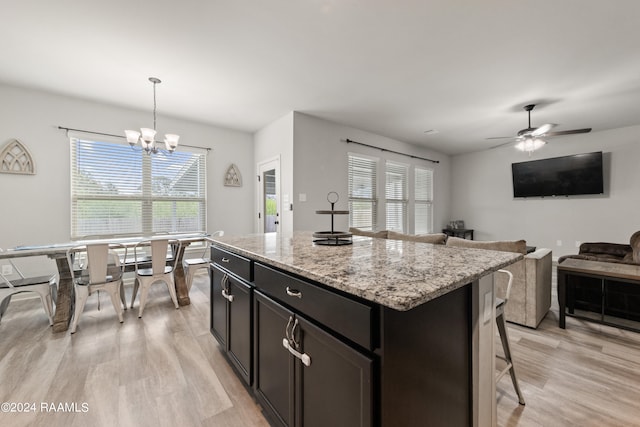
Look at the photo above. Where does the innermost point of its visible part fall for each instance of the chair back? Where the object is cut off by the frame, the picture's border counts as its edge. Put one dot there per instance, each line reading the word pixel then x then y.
pixel 159 252
pixel 97 261
pixel 506 294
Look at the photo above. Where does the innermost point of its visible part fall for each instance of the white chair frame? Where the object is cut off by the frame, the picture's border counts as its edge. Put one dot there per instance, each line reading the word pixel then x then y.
pixel 192 265
pixel 159 270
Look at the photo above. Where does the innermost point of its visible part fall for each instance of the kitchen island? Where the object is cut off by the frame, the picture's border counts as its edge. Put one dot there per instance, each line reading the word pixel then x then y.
pixel 380 332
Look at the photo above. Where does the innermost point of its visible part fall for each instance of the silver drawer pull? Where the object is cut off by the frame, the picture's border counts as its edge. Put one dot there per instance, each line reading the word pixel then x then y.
pixel 225 260
pixel 226 295
pixel 294 293
pixel 305 358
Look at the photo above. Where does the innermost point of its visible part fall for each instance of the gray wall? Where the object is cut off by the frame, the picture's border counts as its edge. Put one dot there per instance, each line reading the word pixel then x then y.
pixel 483 194
pixel 320 166
pixel 36 209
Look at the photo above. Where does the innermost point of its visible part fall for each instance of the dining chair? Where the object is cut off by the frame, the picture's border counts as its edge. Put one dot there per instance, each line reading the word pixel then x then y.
pixel 96 267
pixel 162 268
pixel 44 286
pixel 191 265
pixel 504 338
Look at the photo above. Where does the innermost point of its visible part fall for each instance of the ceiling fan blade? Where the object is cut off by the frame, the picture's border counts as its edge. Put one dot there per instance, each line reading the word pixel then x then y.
pixel 569 132
pixel 501 137
pixel 500 145
pixel 543 129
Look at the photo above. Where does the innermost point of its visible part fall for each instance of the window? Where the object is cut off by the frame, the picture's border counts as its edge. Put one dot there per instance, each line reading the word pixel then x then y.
pixel 118 191
pixel 396 193
pixel 423 201
pixel 362 192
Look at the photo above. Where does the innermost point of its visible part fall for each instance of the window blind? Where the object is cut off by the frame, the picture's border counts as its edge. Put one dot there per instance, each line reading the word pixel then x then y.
pixel 397 197
pixel 362 191
pixel 117 191
pixel 423 201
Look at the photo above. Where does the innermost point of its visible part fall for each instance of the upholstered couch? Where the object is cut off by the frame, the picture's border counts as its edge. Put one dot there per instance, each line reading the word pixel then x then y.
pixel 609 252
pixel 530 297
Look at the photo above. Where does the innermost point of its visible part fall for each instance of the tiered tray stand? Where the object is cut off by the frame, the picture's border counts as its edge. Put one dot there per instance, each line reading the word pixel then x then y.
pixel 332 238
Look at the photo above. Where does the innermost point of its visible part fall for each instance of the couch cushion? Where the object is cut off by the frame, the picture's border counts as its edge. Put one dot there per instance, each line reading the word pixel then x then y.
pixel 519 246
pixel 611 250
pixel 436 238
pixel 358 232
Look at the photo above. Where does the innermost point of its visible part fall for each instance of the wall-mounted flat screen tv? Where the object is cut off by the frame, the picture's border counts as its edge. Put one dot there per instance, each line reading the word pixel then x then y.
pixel 559 176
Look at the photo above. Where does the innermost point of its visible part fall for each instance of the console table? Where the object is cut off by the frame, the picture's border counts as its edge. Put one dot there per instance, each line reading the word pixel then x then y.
pixel 615 289
pixel 459 232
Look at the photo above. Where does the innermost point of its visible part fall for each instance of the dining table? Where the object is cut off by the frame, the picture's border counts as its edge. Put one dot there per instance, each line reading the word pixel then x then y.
pixel 65 294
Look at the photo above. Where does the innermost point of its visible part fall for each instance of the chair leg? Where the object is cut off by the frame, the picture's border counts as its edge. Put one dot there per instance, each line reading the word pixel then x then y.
pixel 171 285
pixel 122 297
pixel 45 298
pixel 3 305
pixel 502 329
pixel 144 291
pixel 136 284
pixel 188 278
pixel 82 293
pixel 115 295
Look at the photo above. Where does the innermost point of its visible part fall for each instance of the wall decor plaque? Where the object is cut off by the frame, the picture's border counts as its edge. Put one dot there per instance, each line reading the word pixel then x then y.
pixel 16 158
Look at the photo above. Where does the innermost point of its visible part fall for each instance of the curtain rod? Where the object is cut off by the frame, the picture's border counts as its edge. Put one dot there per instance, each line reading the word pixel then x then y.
pixel 390 151
pixel 120 136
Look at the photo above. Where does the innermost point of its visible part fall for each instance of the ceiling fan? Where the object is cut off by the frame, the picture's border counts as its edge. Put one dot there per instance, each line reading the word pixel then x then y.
pixel 530 139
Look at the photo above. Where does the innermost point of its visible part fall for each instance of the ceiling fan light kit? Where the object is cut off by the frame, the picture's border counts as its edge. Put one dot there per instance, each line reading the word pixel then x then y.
pixel 530 139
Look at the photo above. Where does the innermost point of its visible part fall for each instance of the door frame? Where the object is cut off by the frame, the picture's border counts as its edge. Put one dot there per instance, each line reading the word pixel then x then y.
pixel 261 167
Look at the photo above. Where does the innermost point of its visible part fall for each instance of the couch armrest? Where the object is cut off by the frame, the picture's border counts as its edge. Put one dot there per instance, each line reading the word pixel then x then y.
pixel 538 253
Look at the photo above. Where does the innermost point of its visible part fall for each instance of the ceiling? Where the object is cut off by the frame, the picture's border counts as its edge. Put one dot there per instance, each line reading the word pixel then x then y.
pixel 464 68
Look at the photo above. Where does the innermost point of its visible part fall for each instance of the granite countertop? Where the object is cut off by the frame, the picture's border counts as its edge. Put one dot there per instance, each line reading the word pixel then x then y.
pixel 397 274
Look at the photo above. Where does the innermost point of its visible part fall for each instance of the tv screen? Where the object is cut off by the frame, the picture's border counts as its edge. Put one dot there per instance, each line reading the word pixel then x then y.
pixel 559 176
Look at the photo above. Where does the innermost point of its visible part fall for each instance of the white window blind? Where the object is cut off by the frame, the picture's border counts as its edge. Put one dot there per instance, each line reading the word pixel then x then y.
pixel 397 196
pixel 118 191
pixel 423 201
pixel 362 192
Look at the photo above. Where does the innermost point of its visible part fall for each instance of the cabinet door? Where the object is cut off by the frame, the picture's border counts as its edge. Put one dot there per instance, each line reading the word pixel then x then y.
pixel 239 340
pixel 273 371
pixel 335 389
pixel 218 306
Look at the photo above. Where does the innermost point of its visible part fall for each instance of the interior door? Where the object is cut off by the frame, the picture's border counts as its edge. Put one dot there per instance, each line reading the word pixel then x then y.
pixel 269 196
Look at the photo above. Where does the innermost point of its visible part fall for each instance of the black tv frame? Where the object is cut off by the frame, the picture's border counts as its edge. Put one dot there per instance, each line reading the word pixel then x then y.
pixel 577 174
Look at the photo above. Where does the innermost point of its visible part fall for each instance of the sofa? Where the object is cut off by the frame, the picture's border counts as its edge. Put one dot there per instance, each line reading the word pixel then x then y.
pixel 530 297
pixel 609 252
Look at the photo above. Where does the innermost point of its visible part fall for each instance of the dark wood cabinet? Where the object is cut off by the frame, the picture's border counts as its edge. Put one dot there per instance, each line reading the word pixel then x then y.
pixel 231 318
pixel 304 375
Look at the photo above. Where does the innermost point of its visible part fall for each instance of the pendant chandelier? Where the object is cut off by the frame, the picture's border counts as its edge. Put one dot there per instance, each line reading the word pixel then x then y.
pixel 146 136
pixel 530 144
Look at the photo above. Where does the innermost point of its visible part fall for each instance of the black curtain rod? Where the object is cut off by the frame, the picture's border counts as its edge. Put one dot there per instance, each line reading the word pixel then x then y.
pixel 120 136
pixel 390 151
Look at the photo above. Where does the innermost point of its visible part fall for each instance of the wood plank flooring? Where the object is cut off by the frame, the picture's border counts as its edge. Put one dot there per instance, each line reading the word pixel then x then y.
pixel 166 370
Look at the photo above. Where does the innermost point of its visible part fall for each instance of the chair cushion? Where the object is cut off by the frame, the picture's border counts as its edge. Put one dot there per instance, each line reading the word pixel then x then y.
pixel 436 238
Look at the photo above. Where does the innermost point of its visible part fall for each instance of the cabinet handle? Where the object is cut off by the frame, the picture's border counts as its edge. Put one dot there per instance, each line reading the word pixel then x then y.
pixel 226 295
pixel 305 358
pixel 225 259
pixel 294 293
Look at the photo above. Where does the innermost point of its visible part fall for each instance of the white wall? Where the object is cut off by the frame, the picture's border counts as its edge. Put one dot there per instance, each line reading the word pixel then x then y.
pixel 320 166
pixel 36 209
pixel 483 194
pixel 276 141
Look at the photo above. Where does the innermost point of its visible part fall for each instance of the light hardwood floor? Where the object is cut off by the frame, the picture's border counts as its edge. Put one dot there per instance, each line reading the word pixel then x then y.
pixel 166 370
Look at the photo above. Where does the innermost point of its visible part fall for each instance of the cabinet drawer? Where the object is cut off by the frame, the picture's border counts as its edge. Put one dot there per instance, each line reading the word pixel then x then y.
pixel 238 265
pixel 348 317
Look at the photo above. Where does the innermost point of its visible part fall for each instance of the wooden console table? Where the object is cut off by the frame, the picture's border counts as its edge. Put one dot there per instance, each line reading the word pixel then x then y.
pixel 607 273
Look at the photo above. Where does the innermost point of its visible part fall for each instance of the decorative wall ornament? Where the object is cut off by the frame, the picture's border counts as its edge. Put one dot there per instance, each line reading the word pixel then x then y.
pixel 233 178
pixel 16 158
